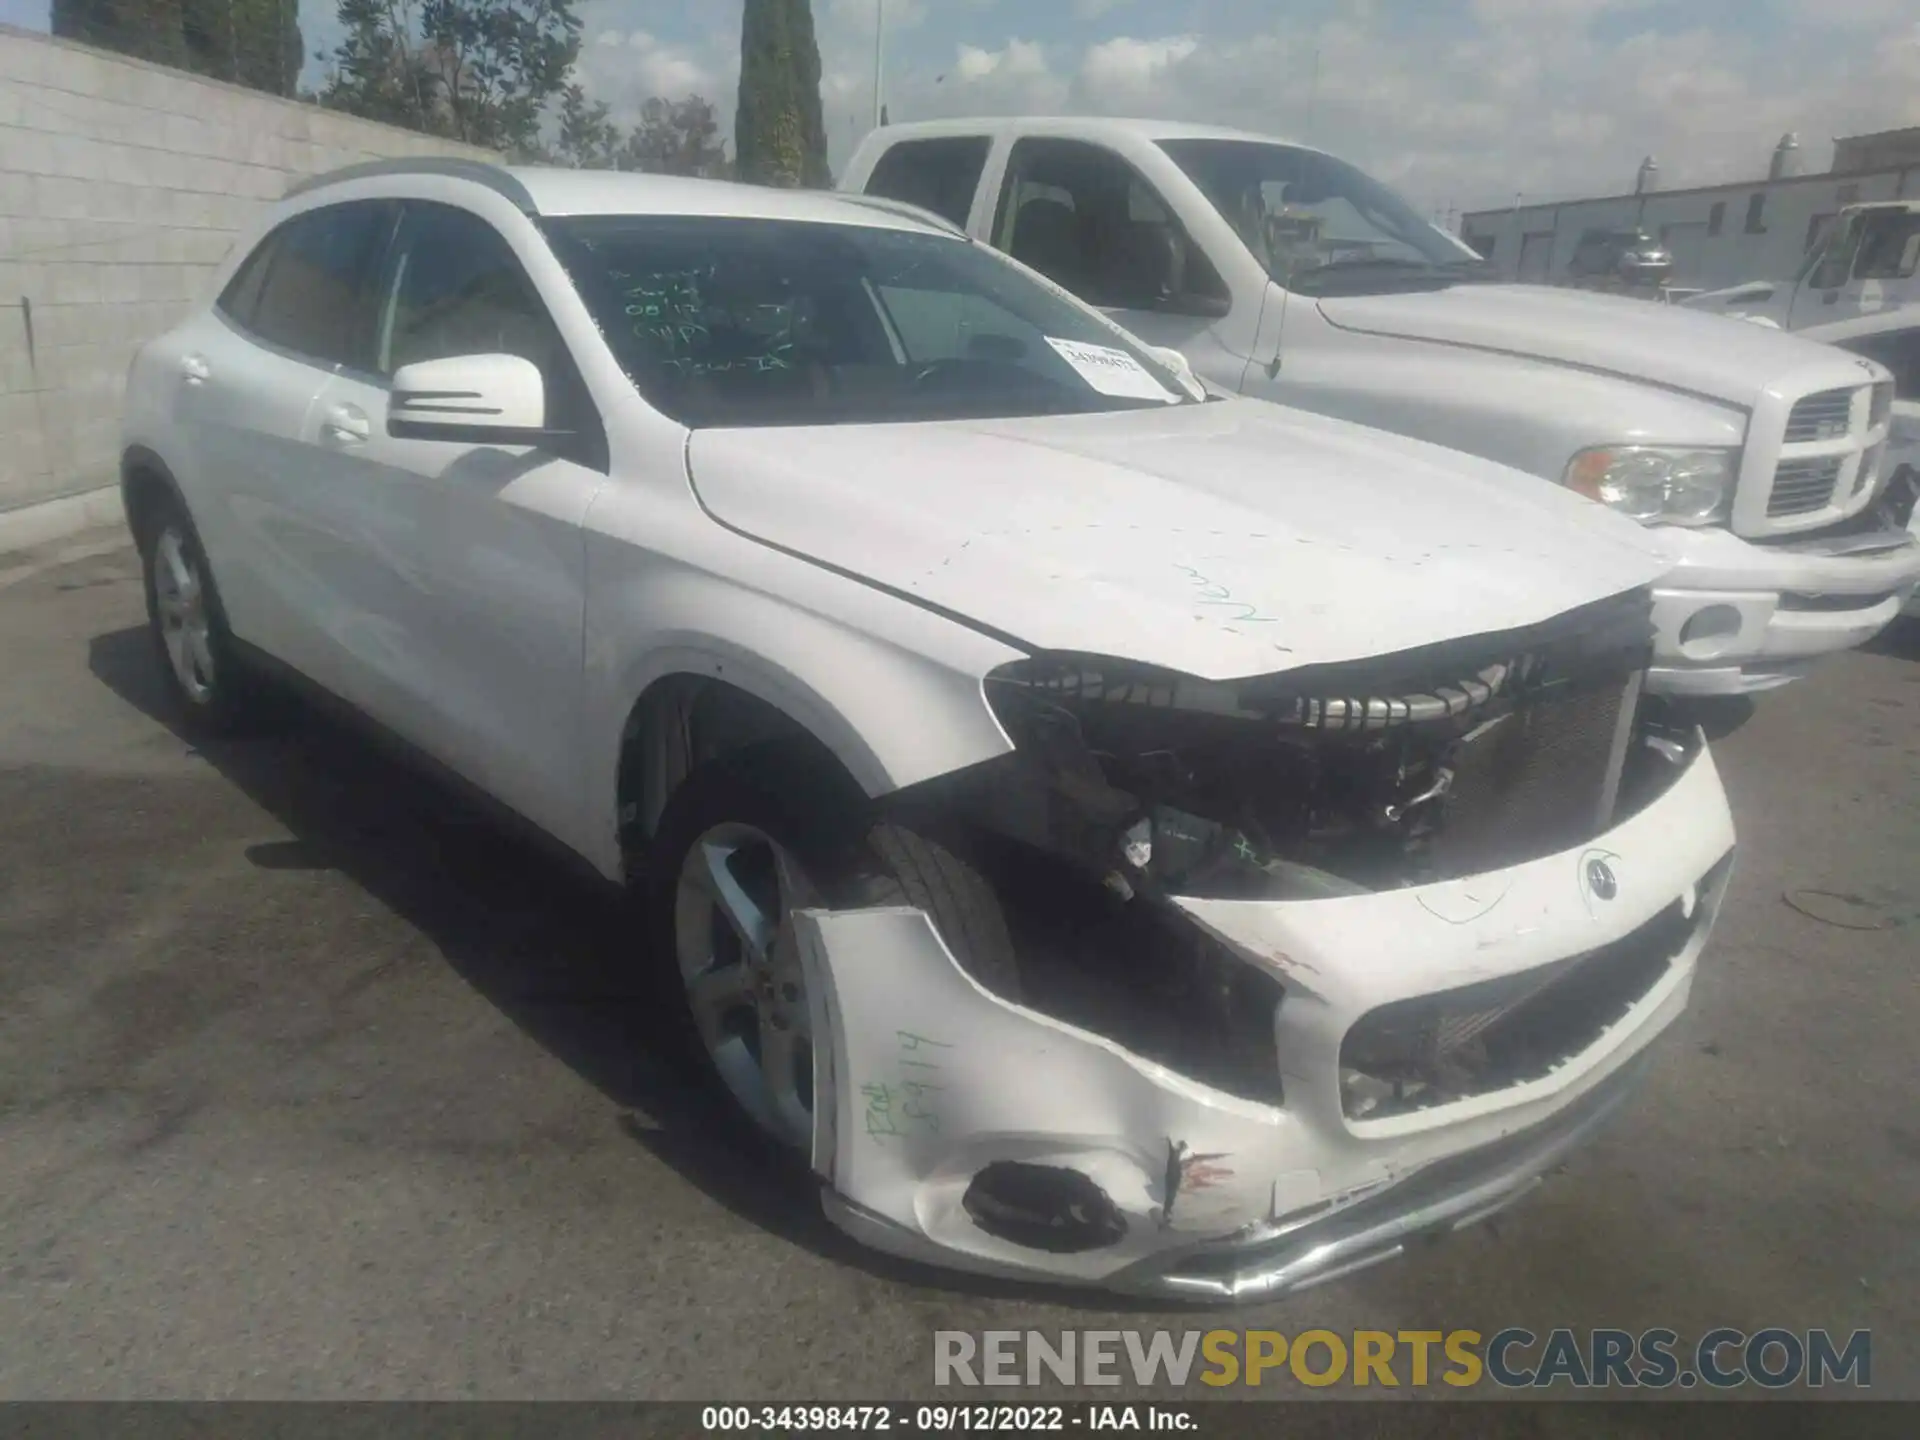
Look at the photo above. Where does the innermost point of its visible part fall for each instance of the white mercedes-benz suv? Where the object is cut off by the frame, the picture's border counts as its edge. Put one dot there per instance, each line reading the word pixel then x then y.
pixel 1114 832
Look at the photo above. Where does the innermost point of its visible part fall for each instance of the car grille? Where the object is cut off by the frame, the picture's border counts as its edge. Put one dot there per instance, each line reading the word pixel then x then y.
pixel 1825 416
pixel 1538 780
pixel 1824 466
pixel 1436 1049
pixel 1800 486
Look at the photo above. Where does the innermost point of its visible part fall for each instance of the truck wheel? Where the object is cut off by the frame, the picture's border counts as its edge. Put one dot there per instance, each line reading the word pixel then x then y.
pixel 745 843
pixel 204 675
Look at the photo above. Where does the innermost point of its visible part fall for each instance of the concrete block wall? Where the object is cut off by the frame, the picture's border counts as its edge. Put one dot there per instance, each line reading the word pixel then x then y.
pixel 122 186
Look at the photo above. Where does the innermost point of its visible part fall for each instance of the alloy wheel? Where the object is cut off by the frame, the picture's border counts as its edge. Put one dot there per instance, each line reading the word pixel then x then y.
pixel 180 603
pixel 739 959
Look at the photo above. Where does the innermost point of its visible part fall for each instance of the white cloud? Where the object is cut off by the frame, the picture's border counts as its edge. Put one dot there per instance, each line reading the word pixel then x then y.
pixel 1124 63
pixel 625 68
pixel 1021 57
pixel 1527 95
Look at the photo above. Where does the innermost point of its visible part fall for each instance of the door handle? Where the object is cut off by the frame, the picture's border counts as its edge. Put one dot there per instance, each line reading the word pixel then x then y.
pixel 347 424
pixel 194 370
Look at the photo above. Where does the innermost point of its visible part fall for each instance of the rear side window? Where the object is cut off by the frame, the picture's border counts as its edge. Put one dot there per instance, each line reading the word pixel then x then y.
pixel 936 175
pixel 316 296
pixel 242 295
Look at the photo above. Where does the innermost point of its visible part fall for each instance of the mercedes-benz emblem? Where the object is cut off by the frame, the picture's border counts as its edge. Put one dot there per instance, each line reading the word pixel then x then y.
pixel 1601 879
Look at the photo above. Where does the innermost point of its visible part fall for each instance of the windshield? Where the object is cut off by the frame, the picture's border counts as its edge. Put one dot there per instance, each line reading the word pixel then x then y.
pixel 730 321
pixel 1312 220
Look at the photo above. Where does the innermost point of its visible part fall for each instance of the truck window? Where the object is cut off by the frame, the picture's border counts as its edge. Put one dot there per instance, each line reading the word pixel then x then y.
pixel 1312 220
pixel 1889 248
pixel 937 175
pixel 1091 223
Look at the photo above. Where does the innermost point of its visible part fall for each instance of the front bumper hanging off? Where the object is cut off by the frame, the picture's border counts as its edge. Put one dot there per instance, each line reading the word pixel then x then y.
pixel 940 1107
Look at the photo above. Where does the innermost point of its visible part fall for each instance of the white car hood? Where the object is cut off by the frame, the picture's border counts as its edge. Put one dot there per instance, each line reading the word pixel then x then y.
pixel 1224 540
pixel 1696 351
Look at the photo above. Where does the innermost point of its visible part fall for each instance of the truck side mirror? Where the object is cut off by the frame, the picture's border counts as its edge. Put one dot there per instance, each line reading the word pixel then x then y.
pixel 1151 273
pixel 1829 274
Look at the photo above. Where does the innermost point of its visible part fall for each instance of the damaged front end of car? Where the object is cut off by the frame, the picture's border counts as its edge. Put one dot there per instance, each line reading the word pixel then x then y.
pixel 1311 964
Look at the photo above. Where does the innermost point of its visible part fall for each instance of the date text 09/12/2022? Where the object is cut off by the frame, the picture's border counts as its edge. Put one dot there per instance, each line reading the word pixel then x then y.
pixel 942 1419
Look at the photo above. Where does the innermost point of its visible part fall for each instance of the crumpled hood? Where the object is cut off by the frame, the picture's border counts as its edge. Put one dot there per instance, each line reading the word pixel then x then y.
pixel 1697 351
pixel 1227 539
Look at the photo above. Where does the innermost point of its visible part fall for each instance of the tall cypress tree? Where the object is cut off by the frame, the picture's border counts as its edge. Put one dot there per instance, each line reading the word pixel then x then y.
pixel 149 29
pixel 250 42
pixel 780 137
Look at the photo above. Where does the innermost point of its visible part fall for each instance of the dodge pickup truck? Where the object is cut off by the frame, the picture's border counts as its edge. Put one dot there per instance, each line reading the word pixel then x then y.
pixel 1281 272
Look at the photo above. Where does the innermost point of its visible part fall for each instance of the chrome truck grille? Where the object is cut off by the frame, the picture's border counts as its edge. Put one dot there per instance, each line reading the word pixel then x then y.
pixel 1813 462
pixel 1826 416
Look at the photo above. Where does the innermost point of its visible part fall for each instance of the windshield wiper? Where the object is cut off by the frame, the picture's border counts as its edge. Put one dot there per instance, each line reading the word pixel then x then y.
pixel 1384 264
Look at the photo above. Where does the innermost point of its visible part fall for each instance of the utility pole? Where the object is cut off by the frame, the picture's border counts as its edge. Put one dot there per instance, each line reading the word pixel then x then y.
pixel 1313 92
pixel 879 53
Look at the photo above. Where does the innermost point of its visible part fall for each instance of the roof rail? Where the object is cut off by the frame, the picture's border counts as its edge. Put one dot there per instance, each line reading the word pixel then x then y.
pixel 908 211
pixel 452 167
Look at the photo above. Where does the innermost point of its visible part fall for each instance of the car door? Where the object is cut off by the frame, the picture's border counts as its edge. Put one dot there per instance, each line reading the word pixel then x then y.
pixel 471 555
pixel 1084 217
pixel 249 375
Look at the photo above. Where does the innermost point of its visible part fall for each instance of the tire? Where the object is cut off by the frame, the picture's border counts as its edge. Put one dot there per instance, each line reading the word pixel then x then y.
pixel 205 678
pixel 791 837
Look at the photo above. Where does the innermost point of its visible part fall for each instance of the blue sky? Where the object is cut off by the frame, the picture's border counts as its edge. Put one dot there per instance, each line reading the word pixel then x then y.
pixel 1458 102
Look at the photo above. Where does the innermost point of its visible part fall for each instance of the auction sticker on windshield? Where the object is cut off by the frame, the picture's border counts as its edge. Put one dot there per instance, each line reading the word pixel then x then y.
pixel 1110 371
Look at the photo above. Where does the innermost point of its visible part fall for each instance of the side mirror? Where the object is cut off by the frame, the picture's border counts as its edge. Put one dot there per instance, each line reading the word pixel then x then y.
pixel 1829 274
pixel 1150 273
pixel 476 399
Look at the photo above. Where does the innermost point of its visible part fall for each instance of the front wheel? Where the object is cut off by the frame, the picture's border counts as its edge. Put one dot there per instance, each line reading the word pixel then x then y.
pixel 743 846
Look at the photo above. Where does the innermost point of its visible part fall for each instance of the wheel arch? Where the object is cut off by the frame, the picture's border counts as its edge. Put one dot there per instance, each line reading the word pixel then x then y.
pixel 693 704
pixel 145 483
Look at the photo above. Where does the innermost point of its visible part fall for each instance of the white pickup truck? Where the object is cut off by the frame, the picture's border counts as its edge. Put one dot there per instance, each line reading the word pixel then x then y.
pixel 1867 264
pixel 1284 273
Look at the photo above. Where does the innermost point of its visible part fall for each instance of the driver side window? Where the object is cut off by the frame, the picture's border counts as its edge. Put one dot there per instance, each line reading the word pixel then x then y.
pixel 455 287
pixel 458 289
pixel 1090 222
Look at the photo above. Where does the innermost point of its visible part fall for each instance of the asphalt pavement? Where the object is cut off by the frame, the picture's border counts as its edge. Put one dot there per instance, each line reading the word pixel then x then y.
pixel 312 1084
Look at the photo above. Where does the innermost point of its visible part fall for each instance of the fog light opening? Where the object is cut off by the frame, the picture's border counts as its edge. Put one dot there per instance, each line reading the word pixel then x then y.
pixel 1709 632
pixel 1043 1207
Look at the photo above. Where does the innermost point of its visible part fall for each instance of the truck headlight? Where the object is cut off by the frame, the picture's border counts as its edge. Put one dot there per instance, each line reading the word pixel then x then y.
pixel 1657 485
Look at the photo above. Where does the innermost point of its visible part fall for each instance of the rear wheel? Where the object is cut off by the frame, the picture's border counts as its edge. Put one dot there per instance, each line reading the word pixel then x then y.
pixel 198 661
pixel 744 845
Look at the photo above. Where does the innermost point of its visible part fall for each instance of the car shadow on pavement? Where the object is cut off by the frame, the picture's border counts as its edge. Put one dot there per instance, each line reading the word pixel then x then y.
pixel 558 951
pixel 1899 641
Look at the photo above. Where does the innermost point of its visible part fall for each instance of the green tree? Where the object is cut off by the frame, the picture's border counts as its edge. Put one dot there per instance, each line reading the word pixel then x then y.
pixel 482 71
pixel 678 137
pixel 250 42
pixel 674 137
pixel 779 135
